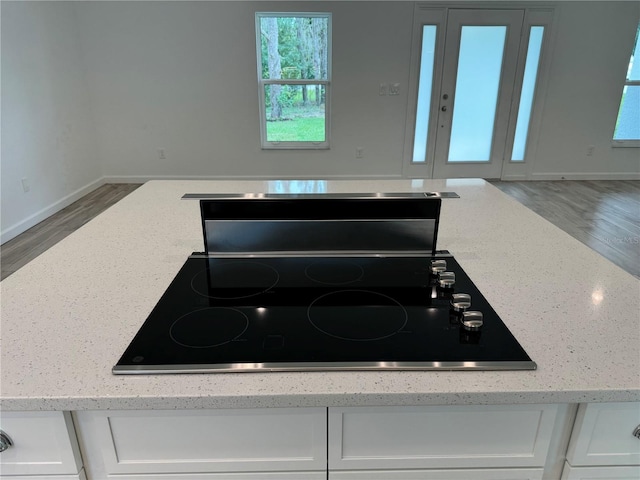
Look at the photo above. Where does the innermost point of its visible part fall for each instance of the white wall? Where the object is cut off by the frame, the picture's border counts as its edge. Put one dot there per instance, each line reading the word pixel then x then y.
pixel 589 64
pixel 182 76
pixel 47 130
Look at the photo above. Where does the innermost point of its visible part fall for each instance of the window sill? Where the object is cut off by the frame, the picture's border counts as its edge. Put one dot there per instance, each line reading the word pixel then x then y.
pixel 289 146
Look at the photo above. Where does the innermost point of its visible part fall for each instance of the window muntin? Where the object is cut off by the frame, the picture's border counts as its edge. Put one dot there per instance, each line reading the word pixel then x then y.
pixel 294 73
pixel 627 128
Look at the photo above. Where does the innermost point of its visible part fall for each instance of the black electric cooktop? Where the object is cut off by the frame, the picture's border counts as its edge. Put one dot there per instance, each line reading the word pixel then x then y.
pixel 318 313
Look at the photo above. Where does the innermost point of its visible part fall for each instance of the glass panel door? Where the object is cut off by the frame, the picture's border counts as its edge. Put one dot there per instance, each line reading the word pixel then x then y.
pixel 477 84
pixel 480 60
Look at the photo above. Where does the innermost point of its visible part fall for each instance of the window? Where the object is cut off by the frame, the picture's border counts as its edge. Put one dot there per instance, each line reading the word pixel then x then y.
pixel 534 50
pixel 294 74
pixel 427 60
pixel 627 129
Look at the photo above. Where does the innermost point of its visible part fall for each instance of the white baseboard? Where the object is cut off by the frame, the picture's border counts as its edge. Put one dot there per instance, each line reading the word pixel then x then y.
pixel 24 225
pixel 146 178
pixel 586 176
pixel 515 178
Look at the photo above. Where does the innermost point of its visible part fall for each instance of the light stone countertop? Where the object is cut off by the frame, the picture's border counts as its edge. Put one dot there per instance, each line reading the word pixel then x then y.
pixel 68 315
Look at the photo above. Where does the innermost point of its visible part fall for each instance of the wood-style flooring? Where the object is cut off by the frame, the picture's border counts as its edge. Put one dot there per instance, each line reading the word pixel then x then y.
pixel 604 215
pixel 20 250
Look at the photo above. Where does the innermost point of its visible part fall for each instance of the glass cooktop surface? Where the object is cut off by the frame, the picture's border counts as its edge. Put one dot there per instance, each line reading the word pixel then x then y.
pixel 318 313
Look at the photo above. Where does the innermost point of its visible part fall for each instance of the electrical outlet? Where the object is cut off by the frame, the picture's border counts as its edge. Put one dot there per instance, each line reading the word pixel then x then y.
pixel 359 152
pixel 383 89
pixel 25 185
pixel 394 89
pixel 161 154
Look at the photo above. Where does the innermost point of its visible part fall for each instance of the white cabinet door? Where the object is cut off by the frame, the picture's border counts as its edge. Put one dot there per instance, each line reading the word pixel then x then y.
pixel 44 443
pixel 600 473
pixel 125 443
pixel 466 474
pixel 380 438
pixel 603 435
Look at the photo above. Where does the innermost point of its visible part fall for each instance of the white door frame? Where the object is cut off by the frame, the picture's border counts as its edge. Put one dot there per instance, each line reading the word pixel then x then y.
pixel 457 19
pixel 428 14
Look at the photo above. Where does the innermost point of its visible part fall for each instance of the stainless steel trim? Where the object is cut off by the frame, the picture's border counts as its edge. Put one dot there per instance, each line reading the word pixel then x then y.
pixel 317 253
pixel 320 253
pixel 231 196
pixel 318 220
pixel 320 366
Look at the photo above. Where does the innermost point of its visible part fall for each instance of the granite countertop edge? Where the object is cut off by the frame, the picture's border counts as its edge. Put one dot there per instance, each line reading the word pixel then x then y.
pixel 352 399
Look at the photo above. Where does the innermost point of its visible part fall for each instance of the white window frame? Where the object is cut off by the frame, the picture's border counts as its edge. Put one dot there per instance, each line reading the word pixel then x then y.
pixel 635 143
pixel 262 82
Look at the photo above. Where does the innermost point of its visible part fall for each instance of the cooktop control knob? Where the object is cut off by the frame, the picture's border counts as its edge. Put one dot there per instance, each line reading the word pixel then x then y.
pixel 446 279
pixel 472 320
pixel 460 302
pixel 438 266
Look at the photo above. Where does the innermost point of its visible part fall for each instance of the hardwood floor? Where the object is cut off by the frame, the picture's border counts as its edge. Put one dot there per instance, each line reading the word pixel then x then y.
pixel 604 215
pixel 20 250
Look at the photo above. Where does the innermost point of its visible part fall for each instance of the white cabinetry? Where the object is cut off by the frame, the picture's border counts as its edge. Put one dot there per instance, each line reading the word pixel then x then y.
pixel 603 445
pixel 457 474
pixel 44 447
pixel 288 444
pixel 482 442
pixel 432 442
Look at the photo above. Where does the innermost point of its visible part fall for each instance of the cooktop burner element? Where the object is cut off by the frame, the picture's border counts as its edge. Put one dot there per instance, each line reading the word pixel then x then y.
pixel 358 315
pixel 234 279
pixel 208 327
pixel 272 313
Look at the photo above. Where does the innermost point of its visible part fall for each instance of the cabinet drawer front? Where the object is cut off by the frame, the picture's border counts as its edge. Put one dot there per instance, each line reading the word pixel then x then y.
pixel 44 443
pixel 603 435
pixel 466 474
pixel 195 476
pixel 440 437
pixel 600 473
pixel 119 442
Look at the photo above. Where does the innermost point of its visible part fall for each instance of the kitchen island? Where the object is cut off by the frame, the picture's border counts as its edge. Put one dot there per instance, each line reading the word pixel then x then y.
pixel 68 315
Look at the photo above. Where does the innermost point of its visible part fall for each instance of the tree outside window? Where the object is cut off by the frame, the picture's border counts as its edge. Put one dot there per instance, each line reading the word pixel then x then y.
pixel 294 77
